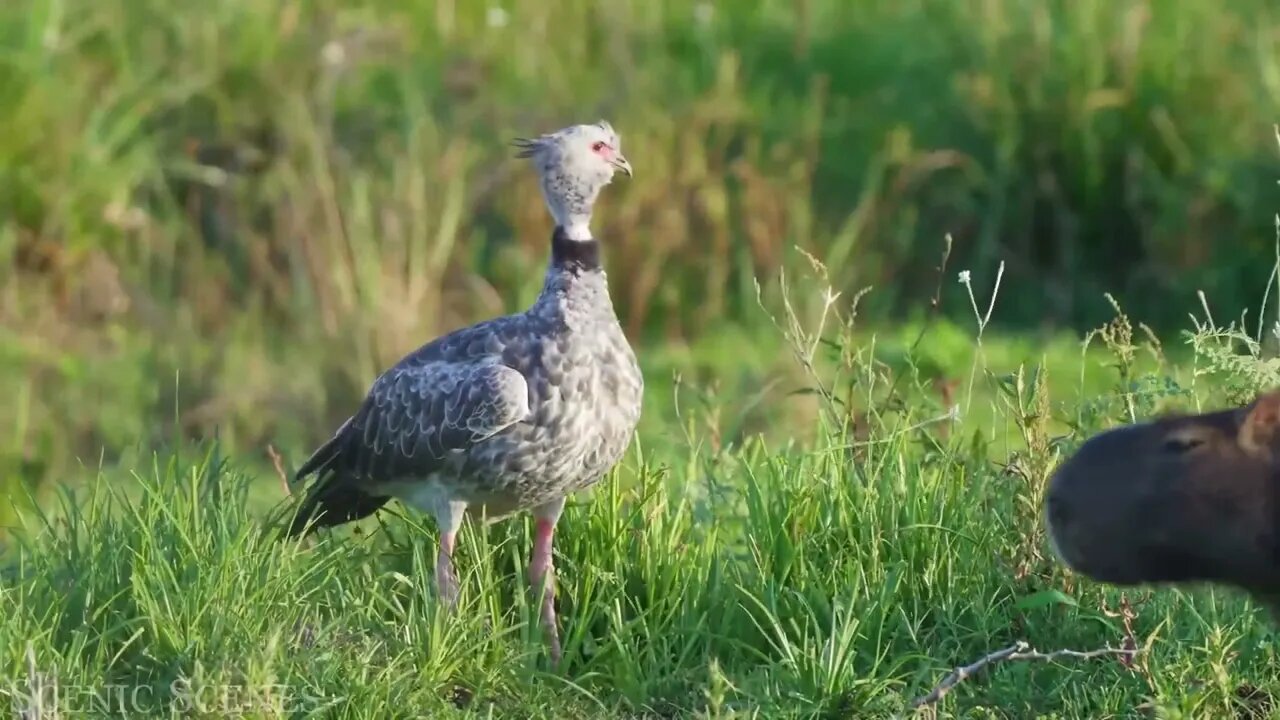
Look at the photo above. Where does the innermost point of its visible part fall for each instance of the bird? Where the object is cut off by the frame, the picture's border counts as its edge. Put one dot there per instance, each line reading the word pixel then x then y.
pixel 511 414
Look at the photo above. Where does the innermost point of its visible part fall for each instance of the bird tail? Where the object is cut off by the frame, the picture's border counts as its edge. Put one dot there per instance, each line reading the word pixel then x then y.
pixel 332 500
pixel 335 498
pixel 324 455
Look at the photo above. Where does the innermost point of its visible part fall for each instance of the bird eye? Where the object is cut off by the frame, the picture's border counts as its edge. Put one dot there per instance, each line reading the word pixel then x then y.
pixel 597 146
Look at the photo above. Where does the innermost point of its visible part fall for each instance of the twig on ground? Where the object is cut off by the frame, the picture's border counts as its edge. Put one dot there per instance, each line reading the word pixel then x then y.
pixel 1126 615
pixel 278 463
pixel 1020 650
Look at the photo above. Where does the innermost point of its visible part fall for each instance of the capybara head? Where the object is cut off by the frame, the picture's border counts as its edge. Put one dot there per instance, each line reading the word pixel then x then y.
pixel 1175 500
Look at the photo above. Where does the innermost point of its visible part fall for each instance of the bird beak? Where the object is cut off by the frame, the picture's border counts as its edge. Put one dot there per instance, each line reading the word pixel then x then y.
pixel 621 163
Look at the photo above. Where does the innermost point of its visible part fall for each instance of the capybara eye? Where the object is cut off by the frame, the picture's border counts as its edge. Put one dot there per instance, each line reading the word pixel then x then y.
pixel 1179 445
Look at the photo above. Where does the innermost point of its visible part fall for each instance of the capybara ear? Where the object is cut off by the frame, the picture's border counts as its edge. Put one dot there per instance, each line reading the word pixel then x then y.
pixel 1259 430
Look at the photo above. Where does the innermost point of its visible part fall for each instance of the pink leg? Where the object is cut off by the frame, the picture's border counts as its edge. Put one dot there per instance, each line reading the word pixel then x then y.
pixel 448 516
pixel 542 580
pixel 446 581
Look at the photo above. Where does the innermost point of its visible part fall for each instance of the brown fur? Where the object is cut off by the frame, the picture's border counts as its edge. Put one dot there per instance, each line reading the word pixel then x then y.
pixel 1192 498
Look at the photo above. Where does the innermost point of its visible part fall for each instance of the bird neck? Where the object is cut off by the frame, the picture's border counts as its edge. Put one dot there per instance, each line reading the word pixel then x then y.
pixel 575 292
pixel 574 250
pixel 570 201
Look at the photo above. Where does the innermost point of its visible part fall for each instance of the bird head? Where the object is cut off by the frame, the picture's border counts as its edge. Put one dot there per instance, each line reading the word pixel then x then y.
pixel 573 165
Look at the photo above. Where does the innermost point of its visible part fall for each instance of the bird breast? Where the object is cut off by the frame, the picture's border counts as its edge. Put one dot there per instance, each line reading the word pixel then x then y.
pixel 585 391
pixel 586 404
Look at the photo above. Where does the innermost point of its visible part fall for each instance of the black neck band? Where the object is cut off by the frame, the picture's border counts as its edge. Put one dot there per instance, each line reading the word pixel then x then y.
pixel 574 255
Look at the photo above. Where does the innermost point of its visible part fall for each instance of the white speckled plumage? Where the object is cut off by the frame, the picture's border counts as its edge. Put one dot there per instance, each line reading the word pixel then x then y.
pixel 510 414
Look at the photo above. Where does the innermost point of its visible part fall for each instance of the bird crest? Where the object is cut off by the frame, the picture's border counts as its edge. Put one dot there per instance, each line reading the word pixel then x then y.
pixel 529 147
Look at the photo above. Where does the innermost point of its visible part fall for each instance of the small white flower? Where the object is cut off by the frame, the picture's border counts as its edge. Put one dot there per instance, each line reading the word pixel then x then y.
pixel 333 53
pixel 496 17
pixel 964 277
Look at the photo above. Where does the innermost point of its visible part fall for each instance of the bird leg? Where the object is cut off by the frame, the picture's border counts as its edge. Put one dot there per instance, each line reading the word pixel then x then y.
pixel 446 579
pixel 542 581
pixel 449 516
pixel 542 572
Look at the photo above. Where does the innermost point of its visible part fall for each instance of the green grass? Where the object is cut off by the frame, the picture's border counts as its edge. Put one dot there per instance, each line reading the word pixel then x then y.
pixel 822 573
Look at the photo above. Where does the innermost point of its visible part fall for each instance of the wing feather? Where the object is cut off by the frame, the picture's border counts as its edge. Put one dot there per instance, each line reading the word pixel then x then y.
pixel 414 416
pixel 417 414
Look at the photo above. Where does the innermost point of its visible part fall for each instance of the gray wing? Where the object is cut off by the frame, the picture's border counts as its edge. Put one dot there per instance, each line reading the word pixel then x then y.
pixel 416 414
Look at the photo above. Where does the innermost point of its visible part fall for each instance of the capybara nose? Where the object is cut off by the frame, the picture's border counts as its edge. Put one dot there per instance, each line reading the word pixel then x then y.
pixel 1057 511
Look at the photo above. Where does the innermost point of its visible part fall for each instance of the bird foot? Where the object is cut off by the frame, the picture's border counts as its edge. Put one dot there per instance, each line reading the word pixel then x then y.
pixel 447 587
pixel 446 579
pixel 549 629
pixel 542 583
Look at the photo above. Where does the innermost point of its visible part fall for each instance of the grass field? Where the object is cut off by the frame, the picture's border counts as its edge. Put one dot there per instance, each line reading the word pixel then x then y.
pixel 219 222
pixel 716 573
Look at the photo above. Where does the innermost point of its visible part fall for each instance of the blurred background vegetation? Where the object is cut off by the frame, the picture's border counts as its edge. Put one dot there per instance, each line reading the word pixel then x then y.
pixel 225 218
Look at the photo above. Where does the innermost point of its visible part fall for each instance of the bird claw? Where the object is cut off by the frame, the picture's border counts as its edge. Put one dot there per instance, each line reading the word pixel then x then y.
pixel 549 629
